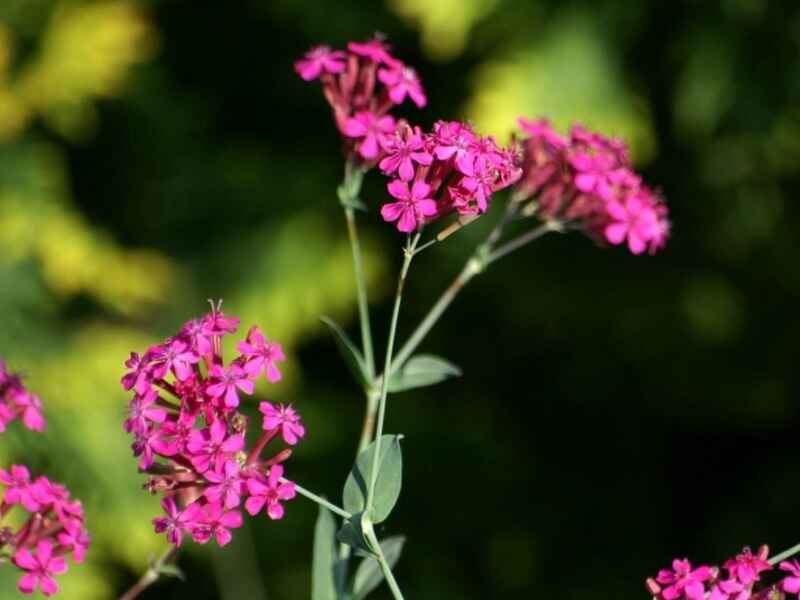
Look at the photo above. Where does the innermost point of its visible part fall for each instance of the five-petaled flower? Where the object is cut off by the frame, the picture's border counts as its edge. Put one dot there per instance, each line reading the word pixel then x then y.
pixel 412 207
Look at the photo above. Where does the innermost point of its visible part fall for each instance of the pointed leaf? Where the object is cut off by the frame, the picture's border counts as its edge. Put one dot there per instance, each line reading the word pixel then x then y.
pixel 349 351
pixel 387 485
pixel 323 583
pixel 352 533
pixel 369 575
pixel 171 570
pixel 420 371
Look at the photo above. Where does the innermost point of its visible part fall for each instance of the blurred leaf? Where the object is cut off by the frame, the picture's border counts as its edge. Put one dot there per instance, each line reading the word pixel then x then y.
pixel 323 581
pixel 351 354
pixel 171 570
pixel 569 73
pixel 421 371
pixel 387 484
pixel 369 575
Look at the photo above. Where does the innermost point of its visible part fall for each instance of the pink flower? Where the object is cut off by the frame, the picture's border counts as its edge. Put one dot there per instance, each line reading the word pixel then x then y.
pixel 213 445
pixel 480 181
pixel 454 140
pixel 402 81
pixel 372 129
pixel 76 539
pixel 683 581
pixel 175 356
pixel 791 583
pixel 139 376
pixel 745 567
pixel 729 590
pixel 176 523
pixel 634 220
pixel 261 355
pixel 31 407
pixel 218 522
pixel 404 149
pixel 283 418
pixel 270 492
pixel 40 567
pixel 413 206
pixel 227 381
pixel 142 412
pixel 318 60
pixel 375 50
pixel 20 490
pixel 227 484
pixel 195 332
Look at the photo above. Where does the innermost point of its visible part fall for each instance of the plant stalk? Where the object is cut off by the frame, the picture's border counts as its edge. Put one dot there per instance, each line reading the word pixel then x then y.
pixel 318 499
pixel 151 575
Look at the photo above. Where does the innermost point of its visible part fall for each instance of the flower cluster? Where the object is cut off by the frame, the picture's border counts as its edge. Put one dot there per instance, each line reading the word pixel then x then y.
pixel 588 178
pixel 184 413
pixel 17 402
pixel 450 169
pixel 54 528
pixel 362 84
pixel 739 583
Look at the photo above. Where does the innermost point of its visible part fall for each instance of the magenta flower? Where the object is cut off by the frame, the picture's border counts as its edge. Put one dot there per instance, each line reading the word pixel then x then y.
pixel 404 149
pixel 141 412
pixel 226 484
pixel 481 180
pixel 261 355
pixel 213 445
pixel 176 523
pixel 19 490
pixel 283 418
pixel 746 566
pixel 371 129
pixel 376 50
pixel 402 81
pixel 139 376
pixel 218 522
pixel 729 590
pixel 683 581
pixel 31 408
pixel 75 539
pixel 175 356
pixel 456 141
pixel 193 446
pixel 791 583
pixel 412 207
pixel 269 491
pixel 226 382
pixel 634 220
pixel 40 567
pixel 318 60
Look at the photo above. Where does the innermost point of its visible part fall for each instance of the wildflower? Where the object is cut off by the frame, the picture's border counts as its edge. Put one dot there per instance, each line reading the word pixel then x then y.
pixel 54 527
pixel 403 149
pixel 283 418
pixel 682 581
pixel 413 205
pixel 269 491
pixel 318 60
pixel 191 441
pixel 746 566
pixel 16 401
pixel 261 355
pixel 372 129
pixel 362 85
pixel 791 583
pixel 587 179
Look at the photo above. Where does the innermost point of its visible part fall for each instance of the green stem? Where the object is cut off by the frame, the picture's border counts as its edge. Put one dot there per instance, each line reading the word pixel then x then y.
pixel 387 570
pixel 407 258
pixel 523 240
pixel 318 499
pixel 784 555
pixel 361 291
pixel 150 576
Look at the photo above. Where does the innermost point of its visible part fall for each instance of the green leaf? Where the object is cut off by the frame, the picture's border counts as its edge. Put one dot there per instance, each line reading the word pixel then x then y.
pixel 349 351
pixel 420 371
pixel 323 583
pixel 387 485
pixel 170 570
pixel 369 575
pixel 352 533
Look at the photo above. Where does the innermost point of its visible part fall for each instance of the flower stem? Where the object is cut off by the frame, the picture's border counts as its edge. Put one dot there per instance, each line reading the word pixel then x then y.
pixel 150 576
pixel 524 239
pixel 351 188
pixel 784 555
pixel 407 258
pixel 318 499
pixel 387 570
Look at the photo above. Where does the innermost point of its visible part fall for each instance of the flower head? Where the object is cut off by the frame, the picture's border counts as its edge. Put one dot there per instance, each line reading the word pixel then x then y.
pixel 16 401
pixel 187 432
pixel 40 568
pixel 412 207
pixel 319 60
pixel 269 491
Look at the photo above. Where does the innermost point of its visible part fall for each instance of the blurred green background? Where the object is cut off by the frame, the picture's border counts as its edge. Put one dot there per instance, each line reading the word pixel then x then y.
pixel 615 411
